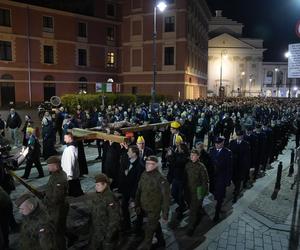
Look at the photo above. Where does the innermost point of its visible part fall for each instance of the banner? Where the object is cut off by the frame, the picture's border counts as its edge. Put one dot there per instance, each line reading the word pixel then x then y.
pixel 294 61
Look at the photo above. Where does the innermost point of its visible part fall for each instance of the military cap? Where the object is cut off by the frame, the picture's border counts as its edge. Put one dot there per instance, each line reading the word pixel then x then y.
pixel 195 151
pixel 239 133
pixel 199 142
pixel 22 198
pixel 175 125
pixel 152 158
pixel 102 178
pixel 53 160
pixel 219 139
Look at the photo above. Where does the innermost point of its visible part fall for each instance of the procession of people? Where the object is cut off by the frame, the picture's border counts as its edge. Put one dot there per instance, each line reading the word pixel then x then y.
pixel 202 148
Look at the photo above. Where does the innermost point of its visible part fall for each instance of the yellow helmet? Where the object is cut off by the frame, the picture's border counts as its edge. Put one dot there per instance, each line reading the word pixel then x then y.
pixel 178 139
pixel 140 139
pixel 175 125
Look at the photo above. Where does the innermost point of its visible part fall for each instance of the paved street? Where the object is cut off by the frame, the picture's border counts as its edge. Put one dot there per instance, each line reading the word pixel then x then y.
pixel 254 222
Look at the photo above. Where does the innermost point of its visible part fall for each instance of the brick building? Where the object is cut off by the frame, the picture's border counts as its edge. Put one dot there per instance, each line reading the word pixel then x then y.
pixel 55 47
pixel 181 48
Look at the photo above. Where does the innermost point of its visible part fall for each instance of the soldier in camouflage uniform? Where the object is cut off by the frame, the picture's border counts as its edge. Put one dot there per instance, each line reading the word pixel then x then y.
pixel 38 231
pixel 5 207
pixel 197 187
pixel 105 216
pixel 152 198
pixel 55 199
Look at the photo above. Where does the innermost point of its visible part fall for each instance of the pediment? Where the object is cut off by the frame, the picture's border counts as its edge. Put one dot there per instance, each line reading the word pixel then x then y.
pixel 227 41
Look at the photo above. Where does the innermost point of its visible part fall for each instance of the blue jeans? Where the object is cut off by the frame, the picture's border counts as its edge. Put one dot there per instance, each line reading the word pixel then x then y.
pixel 14 134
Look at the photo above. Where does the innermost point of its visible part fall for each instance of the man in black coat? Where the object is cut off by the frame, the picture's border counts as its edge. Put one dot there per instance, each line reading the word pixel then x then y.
pixel 252 139
pixel 222 160
pixel 144 151
pixel 14 122
pixel 260 151
pixel 240 162
pixel 130 174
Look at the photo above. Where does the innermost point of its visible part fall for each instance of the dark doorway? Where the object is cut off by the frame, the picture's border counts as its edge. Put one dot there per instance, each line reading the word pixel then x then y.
pixel 7 94
pixel 49 91
pixel 7 91
pixel 49 88
pixel 134 90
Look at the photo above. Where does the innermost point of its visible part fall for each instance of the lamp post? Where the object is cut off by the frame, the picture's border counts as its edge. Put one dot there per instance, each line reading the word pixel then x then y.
pixel 161 6
pixel 242 82
pixel 223 53
pixel 276 83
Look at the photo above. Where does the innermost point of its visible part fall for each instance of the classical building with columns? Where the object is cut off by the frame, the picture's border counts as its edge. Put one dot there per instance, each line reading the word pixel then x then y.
pixel 276 82
pixel 234 62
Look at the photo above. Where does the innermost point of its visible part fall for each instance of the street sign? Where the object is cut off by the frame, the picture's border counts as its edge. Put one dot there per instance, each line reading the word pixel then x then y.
pixel 294 61
pixel 298 29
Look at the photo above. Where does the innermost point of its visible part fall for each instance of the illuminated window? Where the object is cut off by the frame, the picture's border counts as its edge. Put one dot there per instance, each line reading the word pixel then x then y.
pixel 110 62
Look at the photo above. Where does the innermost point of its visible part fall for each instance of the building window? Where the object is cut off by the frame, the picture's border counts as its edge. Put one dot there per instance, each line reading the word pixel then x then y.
pixel 5 51
pixel 110 10
pixel 169 55
pixel 48 54
pixel 82 29
pixel 48 24
pixel 170 24
pixel 110 34
pixel 5 17
pixel 83 86
pixel 110 61
pixel 82 57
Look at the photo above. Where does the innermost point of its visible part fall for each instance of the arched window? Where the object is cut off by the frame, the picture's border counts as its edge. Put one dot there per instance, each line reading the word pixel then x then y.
pixel 7 77
pixel 83 85
pixel 49 78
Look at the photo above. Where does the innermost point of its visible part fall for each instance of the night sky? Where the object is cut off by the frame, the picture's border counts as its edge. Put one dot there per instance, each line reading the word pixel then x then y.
pixel 274 21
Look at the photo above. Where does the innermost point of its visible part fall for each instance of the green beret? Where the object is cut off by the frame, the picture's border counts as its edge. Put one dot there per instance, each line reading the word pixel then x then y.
pixel 195 151
pixel 23 198
pixel 152 158
pixel 53 160
pixel 102 178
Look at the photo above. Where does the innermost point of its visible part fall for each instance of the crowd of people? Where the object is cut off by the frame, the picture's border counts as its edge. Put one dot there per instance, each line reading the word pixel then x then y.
pixel 206 146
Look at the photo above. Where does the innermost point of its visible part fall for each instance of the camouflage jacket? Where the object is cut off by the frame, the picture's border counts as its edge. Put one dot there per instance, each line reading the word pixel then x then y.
pixel 196 176
pixel 105 213
pixel 153 193
pixel 37 232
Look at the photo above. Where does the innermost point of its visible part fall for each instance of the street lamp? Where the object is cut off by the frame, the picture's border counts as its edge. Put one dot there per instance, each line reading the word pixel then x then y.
pixel 276 83
pixel 223 54
pixel 161 6
pixel 287 54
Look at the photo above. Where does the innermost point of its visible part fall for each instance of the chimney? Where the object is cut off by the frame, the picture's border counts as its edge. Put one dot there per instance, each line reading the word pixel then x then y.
pixel 219 13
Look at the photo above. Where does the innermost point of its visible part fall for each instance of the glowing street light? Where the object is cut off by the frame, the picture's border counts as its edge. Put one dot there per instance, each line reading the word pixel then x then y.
pixel 287 54
pixel 161 6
